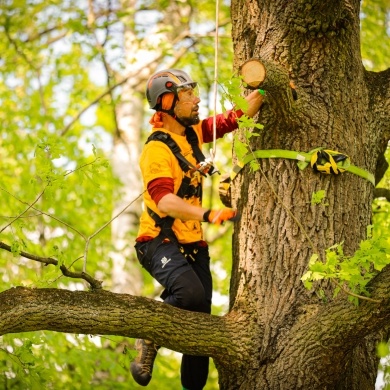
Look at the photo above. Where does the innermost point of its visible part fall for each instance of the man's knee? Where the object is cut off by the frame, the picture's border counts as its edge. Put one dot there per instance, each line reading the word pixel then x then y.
pixel 193 298
pixel 189 292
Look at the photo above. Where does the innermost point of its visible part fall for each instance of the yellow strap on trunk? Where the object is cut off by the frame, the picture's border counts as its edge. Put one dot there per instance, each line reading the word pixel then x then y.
pixel 321 160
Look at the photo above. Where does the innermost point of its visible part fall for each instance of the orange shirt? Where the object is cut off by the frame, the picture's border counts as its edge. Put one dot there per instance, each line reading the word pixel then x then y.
pixel 158 161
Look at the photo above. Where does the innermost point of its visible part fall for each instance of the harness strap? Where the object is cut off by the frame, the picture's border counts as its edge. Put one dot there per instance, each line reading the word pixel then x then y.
pixel 185 165
pixel 304 160
pixel 192 139
pixel 165 224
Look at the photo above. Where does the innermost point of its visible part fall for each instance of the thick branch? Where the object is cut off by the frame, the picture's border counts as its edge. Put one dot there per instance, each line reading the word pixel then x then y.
pixel 382 193
pixel 331 329
pixel 102 312
pixel 379 93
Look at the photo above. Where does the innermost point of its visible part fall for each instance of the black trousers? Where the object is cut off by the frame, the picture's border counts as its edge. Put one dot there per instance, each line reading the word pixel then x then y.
pixel 188 285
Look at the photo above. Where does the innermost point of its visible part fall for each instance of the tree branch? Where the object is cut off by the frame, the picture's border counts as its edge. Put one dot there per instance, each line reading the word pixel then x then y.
pixel 25 211
pixel 178 54
pixel 382 193
pixel 379 94
pixel 102 312
pixel 342 323
pixel 330 329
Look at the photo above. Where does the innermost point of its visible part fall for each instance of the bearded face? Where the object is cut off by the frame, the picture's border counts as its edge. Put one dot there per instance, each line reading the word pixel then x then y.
pixel 187 108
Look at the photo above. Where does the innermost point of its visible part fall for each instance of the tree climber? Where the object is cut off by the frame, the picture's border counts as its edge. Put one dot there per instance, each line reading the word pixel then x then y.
pixel 170 243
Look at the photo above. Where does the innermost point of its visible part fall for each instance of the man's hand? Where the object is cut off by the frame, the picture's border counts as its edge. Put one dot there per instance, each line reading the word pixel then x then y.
pixel 219 216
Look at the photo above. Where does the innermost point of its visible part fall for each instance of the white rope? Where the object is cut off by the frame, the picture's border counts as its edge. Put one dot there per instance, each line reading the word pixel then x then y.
pixel 213 151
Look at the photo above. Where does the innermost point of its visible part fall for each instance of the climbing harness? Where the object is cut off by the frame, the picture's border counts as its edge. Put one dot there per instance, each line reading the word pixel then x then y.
pixel 321 160
pixel 186 190
pixel 204 165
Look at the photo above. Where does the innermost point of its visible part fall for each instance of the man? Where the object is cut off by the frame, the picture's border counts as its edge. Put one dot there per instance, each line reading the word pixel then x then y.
pixel 170 243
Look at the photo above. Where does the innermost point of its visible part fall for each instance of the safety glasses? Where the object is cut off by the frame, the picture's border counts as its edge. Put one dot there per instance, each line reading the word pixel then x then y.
pixel 188 93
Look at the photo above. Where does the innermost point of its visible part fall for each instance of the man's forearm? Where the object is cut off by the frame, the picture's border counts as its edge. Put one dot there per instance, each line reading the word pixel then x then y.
pixel 176 207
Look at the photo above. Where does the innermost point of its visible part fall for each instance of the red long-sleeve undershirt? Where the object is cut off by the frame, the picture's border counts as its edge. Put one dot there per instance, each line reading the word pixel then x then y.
pixel 226 123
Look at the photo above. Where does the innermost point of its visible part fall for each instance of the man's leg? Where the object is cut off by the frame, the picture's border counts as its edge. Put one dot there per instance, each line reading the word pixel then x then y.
pixel 195 369
pixel 142 366
pixel 191 290
pixel 166 264
pixel 189 287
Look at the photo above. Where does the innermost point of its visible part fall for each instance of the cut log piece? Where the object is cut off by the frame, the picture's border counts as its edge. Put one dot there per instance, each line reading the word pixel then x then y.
pixel 253 73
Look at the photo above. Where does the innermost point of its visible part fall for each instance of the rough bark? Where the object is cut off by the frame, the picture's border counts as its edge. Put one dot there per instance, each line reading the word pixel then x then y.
pixel 103 312
pixel 340 106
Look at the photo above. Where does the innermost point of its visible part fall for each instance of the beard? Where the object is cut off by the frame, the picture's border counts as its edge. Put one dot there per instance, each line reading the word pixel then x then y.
pixel 188 120
pixel 185 116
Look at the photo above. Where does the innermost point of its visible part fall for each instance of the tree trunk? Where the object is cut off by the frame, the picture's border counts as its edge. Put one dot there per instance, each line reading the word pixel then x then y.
pixel 340 106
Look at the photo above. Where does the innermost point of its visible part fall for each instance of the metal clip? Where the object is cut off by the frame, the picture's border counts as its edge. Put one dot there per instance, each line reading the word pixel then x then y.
pixel 207 167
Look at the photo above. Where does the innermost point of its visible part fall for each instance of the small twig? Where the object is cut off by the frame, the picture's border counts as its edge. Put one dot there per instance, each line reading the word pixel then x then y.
pixel 92 103
pixel 42 213
pixel 44 260
pixel 22 54
pixel 87 239
pixel 103 227
pixel 14 357
pixel 94 283
pixel 123 81
pixel 40 195
pixel 28 208
pixel 81 167
pixel 71 265
pixel 353 294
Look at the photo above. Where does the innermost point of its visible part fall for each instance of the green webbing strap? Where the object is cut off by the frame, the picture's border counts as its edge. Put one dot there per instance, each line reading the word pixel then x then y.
pixel 304 160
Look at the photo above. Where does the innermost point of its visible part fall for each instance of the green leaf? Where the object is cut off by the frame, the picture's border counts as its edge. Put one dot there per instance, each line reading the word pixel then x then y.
pixel 383 349
pixel 255 166
pixel 240 148
pixel 317 197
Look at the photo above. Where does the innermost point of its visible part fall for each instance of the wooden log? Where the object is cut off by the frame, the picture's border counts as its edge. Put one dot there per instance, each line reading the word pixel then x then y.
pixel 253 73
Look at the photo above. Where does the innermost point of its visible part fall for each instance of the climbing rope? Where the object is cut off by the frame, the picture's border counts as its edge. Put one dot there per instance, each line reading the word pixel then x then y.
pixel 213 151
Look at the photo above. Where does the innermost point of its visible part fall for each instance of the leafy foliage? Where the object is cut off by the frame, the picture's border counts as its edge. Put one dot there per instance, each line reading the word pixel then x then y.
pixel 375 33
pixel 317 197
pixel 60 61
pixel 233 95
pixel 352 271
